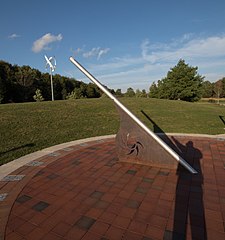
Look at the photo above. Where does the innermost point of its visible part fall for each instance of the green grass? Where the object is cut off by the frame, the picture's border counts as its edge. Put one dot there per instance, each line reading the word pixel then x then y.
pixel 29 127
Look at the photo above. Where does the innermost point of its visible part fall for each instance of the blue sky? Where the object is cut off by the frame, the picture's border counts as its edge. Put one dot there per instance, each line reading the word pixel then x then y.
pixel 123 43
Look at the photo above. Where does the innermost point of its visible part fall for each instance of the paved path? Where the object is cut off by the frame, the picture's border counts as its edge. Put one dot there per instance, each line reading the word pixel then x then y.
pixel 83 192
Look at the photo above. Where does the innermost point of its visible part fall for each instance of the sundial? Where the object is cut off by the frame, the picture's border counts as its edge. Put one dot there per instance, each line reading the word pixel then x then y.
pixel 135 142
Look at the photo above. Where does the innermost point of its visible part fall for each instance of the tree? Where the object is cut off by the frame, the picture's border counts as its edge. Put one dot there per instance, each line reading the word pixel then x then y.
pixel 64 93
pixel 141 94
pixel 153 91
pixel 182 82
pixel 218 89
pixel 138 93
pixel 130 92
pixel 118 93
pixel 38 96
pixel 2 90
pixel 75 94
pixel 92 91
pixel 207 89
pixel 4 76
pixel 25 77
pixel 223 86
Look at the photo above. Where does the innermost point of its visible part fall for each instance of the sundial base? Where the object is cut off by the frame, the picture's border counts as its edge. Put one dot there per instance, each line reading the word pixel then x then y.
pixel 134 145
pixel 135 142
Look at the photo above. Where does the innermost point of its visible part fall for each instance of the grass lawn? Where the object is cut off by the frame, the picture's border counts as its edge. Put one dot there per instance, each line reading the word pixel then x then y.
pixel 29 127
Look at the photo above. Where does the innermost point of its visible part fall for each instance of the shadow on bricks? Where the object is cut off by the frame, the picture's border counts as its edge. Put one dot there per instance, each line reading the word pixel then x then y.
pixel 189 197
pixel 189 193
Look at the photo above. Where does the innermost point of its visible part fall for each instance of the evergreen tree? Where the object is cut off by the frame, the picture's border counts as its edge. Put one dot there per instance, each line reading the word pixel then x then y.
pixel 182 82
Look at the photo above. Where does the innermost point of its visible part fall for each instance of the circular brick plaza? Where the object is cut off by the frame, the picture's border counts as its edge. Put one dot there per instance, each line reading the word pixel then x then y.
pixel 84 192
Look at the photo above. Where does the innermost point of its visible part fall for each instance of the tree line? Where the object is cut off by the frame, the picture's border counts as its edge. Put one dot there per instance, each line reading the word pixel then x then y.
pixel 25 84
pixel 19 84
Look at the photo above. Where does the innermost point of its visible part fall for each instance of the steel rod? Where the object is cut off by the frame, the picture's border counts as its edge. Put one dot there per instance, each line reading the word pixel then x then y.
pixel 142 125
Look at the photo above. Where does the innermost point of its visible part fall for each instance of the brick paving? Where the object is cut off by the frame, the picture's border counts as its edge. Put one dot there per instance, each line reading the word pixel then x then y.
pixel 84 192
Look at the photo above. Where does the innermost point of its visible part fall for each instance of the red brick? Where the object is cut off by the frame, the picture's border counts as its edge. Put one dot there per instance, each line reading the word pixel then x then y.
pixel 14 236
pixel 121 222
pixel 61 228
pixel 91 236
pixel 99 227
pixel 132 236
pixel 215 225
pixel 15 222
pixel 213 215
pixel 114 233
pixel 107 217
pixel 36 234
pixel 114 208
pixel 51 236
pixel 95 212
pixel 127 212
pixel 162 211
pixel 167 196
pixel 154 233
pixel 75 233
pixel 158 221
pixel 26 228
pixel 38 218
pixel 108 197
pixel 138 227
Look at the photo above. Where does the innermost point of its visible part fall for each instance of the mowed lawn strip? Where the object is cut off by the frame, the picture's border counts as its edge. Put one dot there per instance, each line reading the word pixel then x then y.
pixel 28 127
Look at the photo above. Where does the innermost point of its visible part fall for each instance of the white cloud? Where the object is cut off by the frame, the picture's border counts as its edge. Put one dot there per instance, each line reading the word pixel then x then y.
pixel 13 36
pixel 193 49
pixel 156 59
pixel 96 52
pixel 77 51
pixel 102 52
pixel 44 41
pixel 91 53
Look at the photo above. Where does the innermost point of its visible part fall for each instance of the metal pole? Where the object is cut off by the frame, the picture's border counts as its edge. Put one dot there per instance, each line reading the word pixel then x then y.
pixel 51 84
pixel 142 125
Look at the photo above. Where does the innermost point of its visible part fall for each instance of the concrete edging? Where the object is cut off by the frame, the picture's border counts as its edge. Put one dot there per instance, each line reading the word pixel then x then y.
pixel 9 167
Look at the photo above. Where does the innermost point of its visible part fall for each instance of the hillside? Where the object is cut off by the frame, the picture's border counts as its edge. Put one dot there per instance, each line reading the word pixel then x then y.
pixel 28 127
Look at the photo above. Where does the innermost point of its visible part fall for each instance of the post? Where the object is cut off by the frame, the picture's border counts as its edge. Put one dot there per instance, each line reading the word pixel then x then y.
pixel 142 125
pixel 51 84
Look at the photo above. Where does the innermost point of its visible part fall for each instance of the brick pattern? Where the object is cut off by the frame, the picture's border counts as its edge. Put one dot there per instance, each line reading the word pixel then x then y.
pixel 85 193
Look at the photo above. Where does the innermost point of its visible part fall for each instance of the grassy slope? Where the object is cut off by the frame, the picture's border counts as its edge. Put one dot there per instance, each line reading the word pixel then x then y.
pixel 28 127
